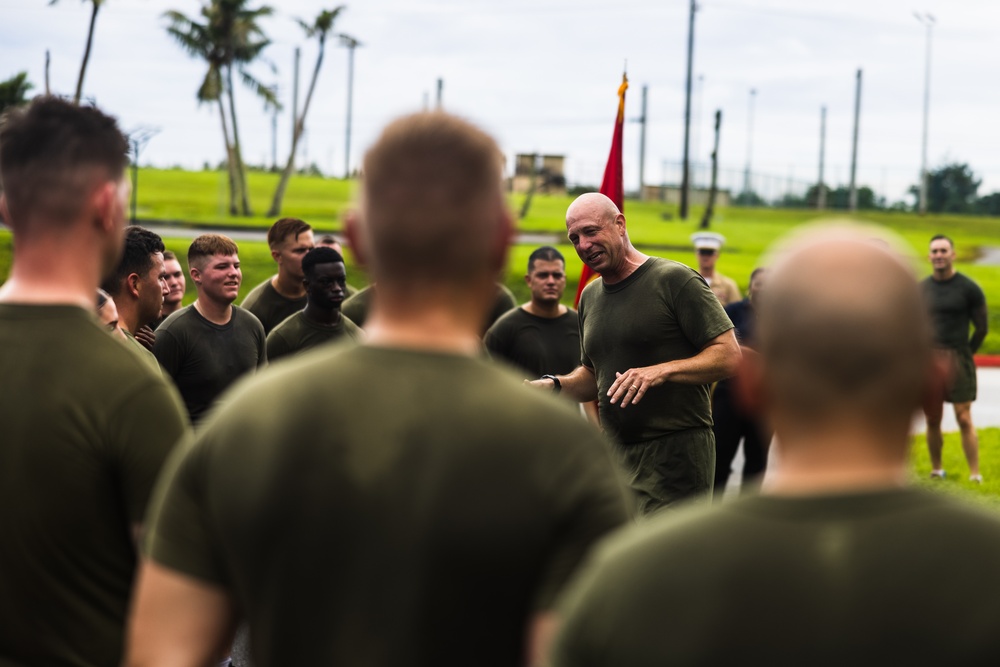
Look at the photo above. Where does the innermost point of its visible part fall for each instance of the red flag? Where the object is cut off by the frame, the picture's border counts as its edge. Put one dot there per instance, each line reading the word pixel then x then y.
pixel 613 184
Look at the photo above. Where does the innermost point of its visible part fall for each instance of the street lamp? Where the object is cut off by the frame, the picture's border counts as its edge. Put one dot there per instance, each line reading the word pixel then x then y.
pixel 351 44
pixel 746 174
pixel 928 21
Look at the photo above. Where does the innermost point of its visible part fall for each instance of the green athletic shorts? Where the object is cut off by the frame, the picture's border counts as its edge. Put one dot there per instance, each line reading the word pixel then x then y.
pixel 670 469
pixel 963 386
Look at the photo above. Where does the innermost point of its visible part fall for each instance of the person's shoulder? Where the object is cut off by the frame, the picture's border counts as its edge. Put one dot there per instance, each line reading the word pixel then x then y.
pixel 969 284
pixel 255 295
pixel 349 326
pixel 178 319
pixel 287 324
pixel 245 318
pixel 737 308
pixel 512 318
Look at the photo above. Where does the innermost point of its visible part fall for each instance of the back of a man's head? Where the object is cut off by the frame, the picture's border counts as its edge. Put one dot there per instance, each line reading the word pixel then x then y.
pixel 209 245
pixel 844 334
pixel 432 202
pixel 137 257
pixel 52 155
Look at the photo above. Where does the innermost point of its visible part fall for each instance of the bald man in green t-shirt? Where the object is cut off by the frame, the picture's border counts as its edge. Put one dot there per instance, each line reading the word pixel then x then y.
pixel 403 501
pixel 654 337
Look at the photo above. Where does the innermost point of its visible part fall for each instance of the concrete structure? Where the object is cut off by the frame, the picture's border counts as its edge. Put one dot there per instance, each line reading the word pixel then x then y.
pixel 551 174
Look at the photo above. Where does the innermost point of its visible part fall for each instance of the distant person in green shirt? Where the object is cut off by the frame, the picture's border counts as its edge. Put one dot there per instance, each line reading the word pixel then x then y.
pixel 87 425
pixel 321 320
pixel 653 339
pixel 955 302
pixel 839 560
pixel 403 501
pixel 542 336
pixel 330 241
pixel 281 295
pixel 138 285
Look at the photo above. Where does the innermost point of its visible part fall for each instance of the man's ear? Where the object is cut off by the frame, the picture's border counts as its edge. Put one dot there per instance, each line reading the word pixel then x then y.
pixel 103 200
pixel 353 236
pixel 276 255
pixel 527 279
pixel 748 384
pixel 195 274
pixel 132 281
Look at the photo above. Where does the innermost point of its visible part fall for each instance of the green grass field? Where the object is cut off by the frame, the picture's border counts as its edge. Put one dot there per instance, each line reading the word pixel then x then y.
pixel 957 481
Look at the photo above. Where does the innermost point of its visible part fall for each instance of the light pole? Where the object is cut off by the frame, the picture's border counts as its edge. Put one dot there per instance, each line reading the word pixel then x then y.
pixel 746 174
pixel 928 21
pixel 351 44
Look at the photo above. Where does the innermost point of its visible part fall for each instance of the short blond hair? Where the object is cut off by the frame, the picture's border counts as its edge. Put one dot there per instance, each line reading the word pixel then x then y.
pixel 207 245
pixel 432 199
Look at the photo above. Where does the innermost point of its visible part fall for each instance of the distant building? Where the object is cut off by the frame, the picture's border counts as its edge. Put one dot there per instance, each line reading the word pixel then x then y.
pixel 671 194
pixel 548 170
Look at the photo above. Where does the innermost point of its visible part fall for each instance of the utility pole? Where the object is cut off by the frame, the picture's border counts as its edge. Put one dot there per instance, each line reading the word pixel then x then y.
pixel 686 169
pixel 821 189
pixel 295 99
pixel 696 142
pixel 746 173
pixel 706 219
pixel 440 93
pixel 642 144
pixel 48 59
pixel 928 21
pixel 274 138
pixel 853 197
pixel 351 44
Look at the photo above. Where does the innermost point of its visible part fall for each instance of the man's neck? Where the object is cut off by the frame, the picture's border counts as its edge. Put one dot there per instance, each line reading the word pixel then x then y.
pixel 128 317
pixel 444 322
pixel 944 274
pixel 214 311
pixel 549 310
pixel 838 461
pixel 288 286
pixel 633 260
pixel 323 316
pixel 35 278
pixel 707 274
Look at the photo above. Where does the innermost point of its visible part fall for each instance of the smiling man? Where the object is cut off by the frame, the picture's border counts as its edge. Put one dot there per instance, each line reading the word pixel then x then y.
pixel 204 347
pixel 325 280
pixel 542 336
pixel 654 338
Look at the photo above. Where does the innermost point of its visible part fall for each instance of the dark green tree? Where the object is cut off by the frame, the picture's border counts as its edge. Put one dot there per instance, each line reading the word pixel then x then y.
pixel 988 205
pixel 950 189
pixel 14 91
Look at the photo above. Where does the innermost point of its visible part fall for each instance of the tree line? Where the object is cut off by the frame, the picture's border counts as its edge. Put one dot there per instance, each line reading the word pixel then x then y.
pixel 228 37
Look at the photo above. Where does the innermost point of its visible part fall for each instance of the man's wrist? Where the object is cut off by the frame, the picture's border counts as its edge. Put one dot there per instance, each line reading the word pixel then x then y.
pixel 556 384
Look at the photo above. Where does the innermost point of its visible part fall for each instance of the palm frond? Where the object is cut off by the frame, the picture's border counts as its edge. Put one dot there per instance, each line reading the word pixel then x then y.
pixel 266 93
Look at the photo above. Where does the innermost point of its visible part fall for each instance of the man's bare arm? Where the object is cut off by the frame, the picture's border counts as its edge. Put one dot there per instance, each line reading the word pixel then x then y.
pixel 541 632
pixel 980 325
pixel 580 385
pixel 719 359
pixel 177 620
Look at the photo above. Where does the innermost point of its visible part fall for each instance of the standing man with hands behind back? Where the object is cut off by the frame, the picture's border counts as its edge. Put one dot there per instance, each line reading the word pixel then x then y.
pixel 654 338
pixel 955 302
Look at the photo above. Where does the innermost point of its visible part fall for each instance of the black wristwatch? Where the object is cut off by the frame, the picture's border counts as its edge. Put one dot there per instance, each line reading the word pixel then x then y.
pixel 556 384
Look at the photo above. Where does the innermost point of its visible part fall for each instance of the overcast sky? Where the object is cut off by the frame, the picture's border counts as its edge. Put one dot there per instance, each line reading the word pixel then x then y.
pixel 542 76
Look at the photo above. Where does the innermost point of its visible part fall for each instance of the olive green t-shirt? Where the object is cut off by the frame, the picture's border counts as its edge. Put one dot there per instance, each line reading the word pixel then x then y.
pixel 662 312
pixel 536 345
pixel 86 428
pixel 383 506
pixel 356 307
pixel 269 306
pixel 299 333
pixel 148 357
pixel 204 358
pixel 951 303
pixel 895 577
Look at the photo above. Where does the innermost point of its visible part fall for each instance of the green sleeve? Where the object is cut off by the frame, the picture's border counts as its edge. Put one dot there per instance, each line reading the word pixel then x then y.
pixel 167 350
pixel 180 536
pixel 590 502
pixel 583 621
pixel 699 313
pixel 277 346
pixel 145 429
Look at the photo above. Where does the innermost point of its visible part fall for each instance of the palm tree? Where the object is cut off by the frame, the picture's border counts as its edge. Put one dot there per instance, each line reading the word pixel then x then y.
pixel 228 38
pixel 95 7
pixel 14 91
pixel 318 29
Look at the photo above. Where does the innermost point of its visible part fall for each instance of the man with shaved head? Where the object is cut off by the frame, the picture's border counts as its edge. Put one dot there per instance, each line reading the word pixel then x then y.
pixel 440 507
pixel 654 337
pixel 830 564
